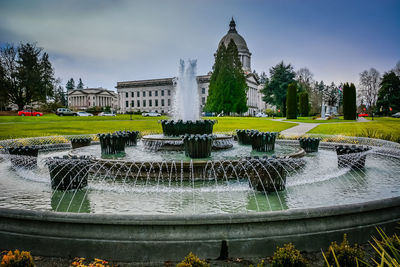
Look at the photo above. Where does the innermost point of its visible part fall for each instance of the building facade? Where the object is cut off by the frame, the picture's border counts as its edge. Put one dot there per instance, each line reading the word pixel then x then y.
pixel 156 95
pixel 82 99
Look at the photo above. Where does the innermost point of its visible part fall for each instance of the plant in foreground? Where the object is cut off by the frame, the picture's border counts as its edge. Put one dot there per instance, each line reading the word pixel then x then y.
pixel 192 260
pixel 343 255
pixel 17 259
pixel 288 256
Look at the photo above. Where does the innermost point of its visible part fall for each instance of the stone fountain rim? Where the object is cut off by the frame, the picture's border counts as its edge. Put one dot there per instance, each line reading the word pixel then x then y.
pixel 196 219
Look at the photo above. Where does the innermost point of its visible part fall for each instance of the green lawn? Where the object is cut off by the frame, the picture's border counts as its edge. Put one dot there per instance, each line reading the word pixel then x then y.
pixel 16 127
pixel 382 128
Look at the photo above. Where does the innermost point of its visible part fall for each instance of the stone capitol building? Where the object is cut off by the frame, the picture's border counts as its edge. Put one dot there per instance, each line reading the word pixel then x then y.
pixel 156 95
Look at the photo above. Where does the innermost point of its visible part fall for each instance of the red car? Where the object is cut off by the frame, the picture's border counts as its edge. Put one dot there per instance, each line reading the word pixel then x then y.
pixel 363 115
pixel 29 113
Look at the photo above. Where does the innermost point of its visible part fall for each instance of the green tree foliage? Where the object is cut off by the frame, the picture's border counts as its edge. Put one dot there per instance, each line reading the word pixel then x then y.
pixel 80 84
pixel 275 89
pixel 70 84
pixel 304 105
pixel 291 99
pixel 349 102
pixel 227 91
pixel 26 74
pixel 389 94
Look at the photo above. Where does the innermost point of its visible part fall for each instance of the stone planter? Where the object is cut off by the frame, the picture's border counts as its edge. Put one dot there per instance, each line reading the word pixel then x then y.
pixel 263 141
pixel 177 128
pixel 68 173
pixel 309 144
pixel 351 156
pixel 198 146
pixel 244 136
pixel 78 142
pixel 24 156
pixel 113 143
pixel 131 137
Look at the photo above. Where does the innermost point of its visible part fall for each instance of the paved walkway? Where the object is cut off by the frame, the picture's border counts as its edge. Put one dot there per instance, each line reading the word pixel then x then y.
pixel 303 128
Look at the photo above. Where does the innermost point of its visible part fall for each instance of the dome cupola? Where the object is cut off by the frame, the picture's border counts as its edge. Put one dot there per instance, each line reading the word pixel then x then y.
pixel 244 53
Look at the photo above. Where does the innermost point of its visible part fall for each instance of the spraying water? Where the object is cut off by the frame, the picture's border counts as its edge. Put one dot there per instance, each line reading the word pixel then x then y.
pixel 186 102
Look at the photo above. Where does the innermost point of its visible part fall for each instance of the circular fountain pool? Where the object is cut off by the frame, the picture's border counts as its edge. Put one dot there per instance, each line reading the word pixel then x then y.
pixel 174 211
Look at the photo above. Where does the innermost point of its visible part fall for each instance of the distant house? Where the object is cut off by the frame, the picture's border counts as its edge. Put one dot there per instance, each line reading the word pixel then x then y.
pixel 92 97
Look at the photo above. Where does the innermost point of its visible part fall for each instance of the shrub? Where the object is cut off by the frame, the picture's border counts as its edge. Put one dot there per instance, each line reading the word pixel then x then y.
pixel 304 105
pixel 291 101
pixel 345 254
pixel 288 256
pixel 192 260
pixel 17 259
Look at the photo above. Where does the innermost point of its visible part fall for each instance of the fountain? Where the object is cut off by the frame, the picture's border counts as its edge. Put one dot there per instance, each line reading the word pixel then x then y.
pixel 125 198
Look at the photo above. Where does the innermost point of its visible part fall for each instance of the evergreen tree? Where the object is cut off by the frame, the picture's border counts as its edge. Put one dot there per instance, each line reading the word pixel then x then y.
pixel 291 101
pixel 70 84
pixel 389 94
pixel 47 77
pixel 349 102
pixel 227 91
pixel 304 104
pixel 275 89
pixel 80 84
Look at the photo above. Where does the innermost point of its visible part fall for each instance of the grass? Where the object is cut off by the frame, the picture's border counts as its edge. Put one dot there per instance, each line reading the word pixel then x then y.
pixel 17 127
pixel 382 128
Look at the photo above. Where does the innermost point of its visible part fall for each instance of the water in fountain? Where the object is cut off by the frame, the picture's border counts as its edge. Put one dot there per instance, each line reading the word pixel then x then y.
pixel 186 102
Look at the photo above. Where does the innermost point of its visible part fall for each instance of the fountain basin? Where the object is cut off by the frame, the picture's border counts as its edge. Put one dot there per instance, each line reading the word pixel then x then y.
pixel 142 223
pixel 158 238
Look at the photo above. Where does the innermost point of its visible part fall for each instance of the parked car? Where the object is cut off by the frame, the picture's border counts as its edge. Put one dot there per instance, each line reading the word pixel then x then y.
pixel 84 114
pixel 151 114
pixel 396 115
pixel 363 115
pixel 105 113
pixel 29 113
pixel 65 112
pixel 261 115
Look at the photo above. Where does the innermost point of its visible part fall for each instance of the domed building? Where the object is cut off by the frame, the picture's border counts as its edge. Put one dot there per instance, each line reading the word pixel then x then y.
pixel 156 95
pixel 244 53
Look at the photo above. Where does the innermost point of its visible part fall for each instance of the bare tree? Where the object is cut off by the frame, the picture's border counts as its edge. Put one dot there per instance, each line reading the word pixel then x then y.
pixel 369 86
pixel 396 68
pixel 305 78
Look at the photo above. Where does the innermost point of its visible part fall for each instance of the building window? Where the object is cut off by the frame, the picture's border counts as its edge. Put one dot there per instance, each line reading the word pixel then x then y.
pixel 150 103
pixel 156 93
pixel 126 94
pixel 169 92
pixel 144 93
pixel 94 97
pixel 203 91
pixel 162 92
pixel 169 101
pixel 144 103
pixel 203 100
pixel 149 93
pixel 133 103
pixel 156 102
pixel 137 93
pixel 132 94
pixel 162 101
pixel 126 103
pixel 138 103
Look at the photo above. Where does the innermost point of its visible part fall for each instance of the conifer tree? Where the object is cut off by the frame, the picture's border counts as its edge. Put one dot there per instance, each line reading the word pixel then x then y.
pixel 227 91
pixel 80 84
pixel 304 104
pixel 70 84
pixel 349 102
pixel 291 101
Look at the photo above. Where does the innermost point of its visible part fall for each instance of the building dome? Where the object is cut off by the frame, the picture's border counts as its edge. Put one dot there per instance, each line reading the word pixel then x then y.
pixel 244 53
pixel 237 38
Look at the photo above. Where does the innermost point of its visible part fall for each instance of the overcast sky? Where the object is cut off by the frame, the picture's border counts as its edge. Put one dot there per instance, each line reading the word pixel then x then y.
pixel 104 41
